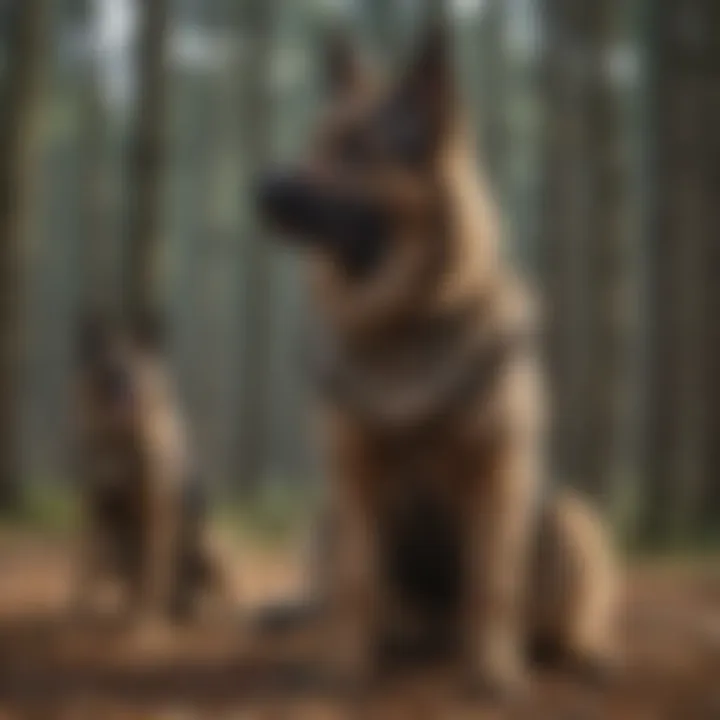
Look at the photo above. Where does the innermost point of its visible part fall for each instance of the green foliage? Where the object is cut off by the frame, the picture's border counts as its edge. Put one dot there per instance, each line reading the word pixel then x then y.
pixel 277 515
pixel 46 508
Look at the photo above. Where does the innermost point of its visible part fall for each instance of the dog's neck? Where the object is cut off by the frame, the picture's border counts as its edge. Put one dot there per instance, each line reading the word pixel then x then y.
pixel 411 365
pixel 475 265
pixel 425 371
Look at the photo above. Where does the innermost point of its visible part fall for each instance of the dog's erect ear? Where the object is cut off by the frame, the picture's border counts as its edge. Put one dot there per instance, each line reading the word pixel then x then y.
pixel 344 70
pixel 428 90
pixel 149 330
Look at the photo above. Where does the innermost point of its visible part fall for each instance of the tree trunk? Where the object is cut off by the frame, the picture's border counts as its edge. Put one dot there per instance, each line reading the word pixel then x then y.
pixel 96 275
pixel 20 90
pixel 494 103
pixel 381 22
pixel 142 270
pixel 709 119
pixel 606 256
pixel 683 243
pixel 257 22
pixel 563 231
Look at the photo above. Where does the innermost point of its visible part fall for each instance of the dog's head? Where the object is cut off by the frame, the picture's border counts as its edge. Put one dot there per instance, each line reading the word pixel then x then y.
pixel 371 200
pixel 110 356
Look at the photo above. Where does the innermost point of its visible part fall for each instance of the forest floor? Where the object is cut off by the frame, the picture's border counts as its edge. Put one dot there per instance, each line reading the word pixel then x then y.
pixel 53 668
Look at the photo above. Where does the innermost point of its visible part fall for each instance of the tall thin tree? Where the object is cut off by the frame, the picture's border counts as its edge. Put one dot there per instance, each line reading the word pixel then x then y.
pixel 678 153
pixel 606 252
pixel 20 89
pixel 708 77
pixel 96 256
pixel 142 270
pixel 256 18
pixel 380 19
pixel 563 228
pixel 494 106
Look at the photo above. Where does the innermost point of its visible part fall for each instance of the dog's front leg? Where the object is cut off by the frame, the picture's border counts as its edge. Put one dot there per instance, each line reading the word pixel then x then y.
pixel 499 521
pixel 90 563
pixel 159 561
pixel 353 586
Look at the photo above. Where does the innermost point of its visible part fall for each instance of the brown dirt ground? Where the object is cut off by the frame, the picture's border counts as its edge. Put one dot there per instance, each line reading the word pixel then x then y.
pixel 54 668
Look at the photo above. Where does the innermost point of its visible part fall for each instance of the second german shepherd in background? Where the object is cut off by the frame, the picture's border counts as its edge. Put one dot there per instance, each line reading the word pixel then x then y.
pixel 432 403
pixel 144 506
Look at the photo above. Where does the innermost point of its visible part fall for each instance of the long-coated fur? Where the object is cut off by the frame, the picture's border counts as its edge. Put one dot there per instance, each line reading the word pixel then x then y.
pixel 431 400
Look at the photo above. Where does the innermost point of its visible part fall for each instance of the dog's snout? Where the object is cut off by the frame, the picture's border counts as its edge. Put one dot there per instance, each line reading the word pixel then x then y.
pixel 267 192
pixel 334 218
pixel 280 198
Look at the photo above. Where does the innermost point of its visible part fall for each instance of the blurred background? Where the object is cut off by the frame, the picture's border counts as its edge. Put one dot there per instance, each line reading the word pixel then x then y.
pixel 130 124
pixel 130 135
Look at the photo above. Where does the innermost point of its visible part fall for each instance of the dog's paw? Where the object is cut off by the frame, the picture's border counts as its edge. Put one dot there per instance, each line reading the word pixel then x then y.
pixel 149 633
pixel 498 682
pixel 596 669
pixel 348 683
pixel 348 674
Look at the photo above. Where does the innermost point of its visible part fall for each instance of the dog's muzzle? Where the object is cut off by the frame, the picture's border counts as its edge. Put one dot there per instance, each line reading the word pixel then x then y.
pixel 332 219
pixel 289 204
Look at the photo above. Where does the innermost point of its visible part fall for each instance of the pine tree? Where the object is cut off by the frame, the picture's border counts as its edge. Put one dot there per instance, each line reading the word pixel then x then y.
pixel 20 90
pixel 142 271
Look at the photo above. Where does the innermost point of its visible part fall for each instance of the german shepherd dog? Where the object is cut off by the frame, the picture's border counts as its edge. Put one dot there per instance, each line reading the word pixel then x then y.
pixel 430 393
pixel 144 505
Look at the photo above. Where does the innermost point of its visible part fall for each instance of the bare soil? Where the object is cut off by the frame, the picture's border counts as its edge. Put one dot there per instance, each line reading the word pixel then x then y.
pixel 56 667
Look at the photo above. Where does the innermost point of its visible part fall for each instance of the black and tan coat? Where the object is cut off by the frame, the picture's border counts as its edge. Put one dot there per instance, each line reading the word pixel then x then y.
pixel 143 502
pixel 431 403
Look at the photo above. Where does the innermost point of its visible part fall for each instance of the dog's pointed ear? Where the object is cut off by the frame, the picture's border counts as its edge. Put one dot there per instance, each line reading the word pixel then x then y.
pixel 429 86
pixel 344 70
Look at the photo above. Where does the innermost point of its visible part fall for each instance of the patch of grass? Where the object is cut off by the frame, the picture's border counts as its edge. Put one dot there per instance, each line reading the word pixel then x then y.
pixel 47 508
pixel 276 516
pixel 699 548
pixel 283 514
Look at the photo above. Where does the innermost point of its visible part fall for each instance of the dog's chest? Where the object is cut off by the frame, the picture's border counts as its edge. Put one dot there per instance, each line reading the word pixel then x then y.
pixel 116 483
pixel 424 375
pixel 422 504
pixel 441 464
pixel 420 527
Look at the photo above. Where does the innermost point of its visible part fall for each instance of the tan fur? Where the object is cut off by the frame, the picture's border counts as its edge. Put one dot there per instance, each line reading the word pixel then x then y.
pixel 477 465
pixel 574 594
pixel 133 473
pixel 485 482
pixel 483 465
